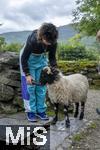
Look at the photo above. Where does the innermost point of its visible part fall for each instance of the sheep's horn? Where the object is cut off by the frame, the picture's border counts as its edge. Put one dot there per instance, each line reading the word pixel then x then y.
pixel 47 69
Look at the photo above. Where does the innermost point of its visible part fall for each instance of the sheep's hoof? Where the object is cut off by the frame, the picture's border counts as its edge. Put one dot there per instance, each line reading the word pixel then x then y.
pixel 67 123
pixel 54 121
pixel 81 116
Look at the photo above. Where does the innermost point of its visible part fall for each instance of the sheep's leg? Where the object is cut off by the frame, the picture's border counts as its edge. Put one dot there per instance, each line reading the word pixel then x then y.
pixel 67 121
pixel 76 110
pixel 55 119
pixel 82 110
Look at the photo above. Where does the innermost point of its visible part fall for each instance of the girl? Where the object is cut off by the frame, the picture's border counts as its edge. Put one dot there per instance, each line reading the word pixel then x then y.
pixel 32 61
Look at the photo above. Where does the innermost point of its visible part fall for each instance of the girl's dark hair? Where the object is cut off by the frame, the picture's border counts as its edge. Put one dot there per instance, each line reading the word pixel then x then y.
pixel 49 32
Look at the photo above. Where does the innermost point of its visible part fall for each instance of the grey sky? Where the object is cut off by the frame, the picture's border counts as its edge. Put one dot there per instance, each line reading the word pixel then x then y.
pixel 18 15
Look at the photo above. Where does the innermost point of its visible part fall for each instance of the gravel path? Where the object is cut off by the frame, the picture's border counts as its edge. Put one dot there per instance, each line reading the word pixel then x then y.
pixel 93 102
pixel 90 140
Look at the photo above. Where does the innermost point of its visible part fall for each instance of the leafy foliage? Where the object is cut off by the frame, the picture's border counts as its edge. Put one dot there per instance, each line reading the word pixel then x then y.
pixel 88 16
pixel 15 47
pixel 75 50
pixel 2 43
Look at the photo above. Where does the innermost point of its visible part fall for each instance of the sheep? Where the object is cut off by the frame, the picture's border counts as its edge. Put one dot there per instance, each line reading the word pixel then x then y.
pixel 65 90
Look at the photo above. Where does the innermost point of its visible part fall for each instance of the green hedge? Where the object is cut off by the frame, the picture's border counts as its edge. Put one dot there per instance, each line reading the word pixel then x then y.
pixel 76 66
pixel 75 52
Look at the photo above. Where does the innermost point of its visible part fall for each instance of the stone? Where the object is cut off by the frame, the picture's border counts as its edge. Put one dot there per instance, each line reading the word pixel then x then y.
pixel 6 81
pixel 20 119
pixel 1 68
pixel 92 70
pixel 7 108
pixel 8 58
pixel 18 116
pixel 14 83
pixel 13 74
pixel 96 82
pixel 85 69
pixel 84 72
pixel 6 93
pixel 17 101
pixel 68 73
pixel 60 148
pixel 18 90
pixel 3 80
pixel 60 134
pixel 93 75
pixel 90 81
pixel 17 120
pixel 67 143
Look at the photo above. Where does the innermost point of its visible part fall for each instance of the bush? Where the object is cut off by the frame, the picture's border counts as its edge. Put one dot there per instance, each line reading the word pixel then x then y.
pixel 13 47
pixel 2 43
pixel 75 52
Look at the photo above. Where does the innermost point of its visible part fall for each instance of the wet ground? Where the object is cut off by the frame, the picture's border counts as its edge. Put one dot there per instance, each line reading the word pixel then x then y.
pixel 62 138
pixel 90 139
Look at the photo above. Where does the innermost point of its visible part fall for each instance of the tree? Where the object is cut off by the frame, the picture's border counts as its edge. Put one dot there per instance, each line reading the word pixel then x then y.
pixel 87 14
pixel 75 40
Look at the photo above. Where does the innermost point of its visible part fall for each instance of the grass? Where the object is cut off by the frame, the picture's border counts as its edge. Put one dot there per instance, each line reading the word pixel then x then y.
pixel 78 137
pixel 93 125
pixel 51 113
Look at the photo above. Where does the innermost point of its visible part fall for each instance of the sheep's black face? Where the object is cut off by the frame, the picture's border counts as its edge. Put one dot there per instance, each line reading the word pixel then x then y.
pixel 48 75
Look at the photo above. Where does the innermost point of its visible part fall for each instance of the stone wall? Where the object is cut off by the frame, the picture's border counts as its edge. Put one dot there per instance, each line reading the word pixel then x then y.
pixel 92 74
pixel 88 68
pixel 10 92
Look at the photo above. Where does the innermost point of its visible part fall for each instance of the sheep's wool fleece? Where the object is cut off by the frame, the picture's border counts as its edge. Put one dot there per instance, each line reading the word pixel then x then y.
pixel 68 89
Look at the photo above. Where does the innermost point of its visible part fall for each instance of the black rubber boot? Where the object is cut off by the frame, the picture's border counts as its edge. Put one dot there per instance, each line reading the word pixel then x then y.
pixel 98 111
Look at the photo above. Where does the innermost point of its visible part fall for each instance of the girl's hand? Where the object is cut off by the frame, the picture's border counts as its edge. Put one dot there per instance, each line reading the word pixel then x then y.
pixel 29 79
